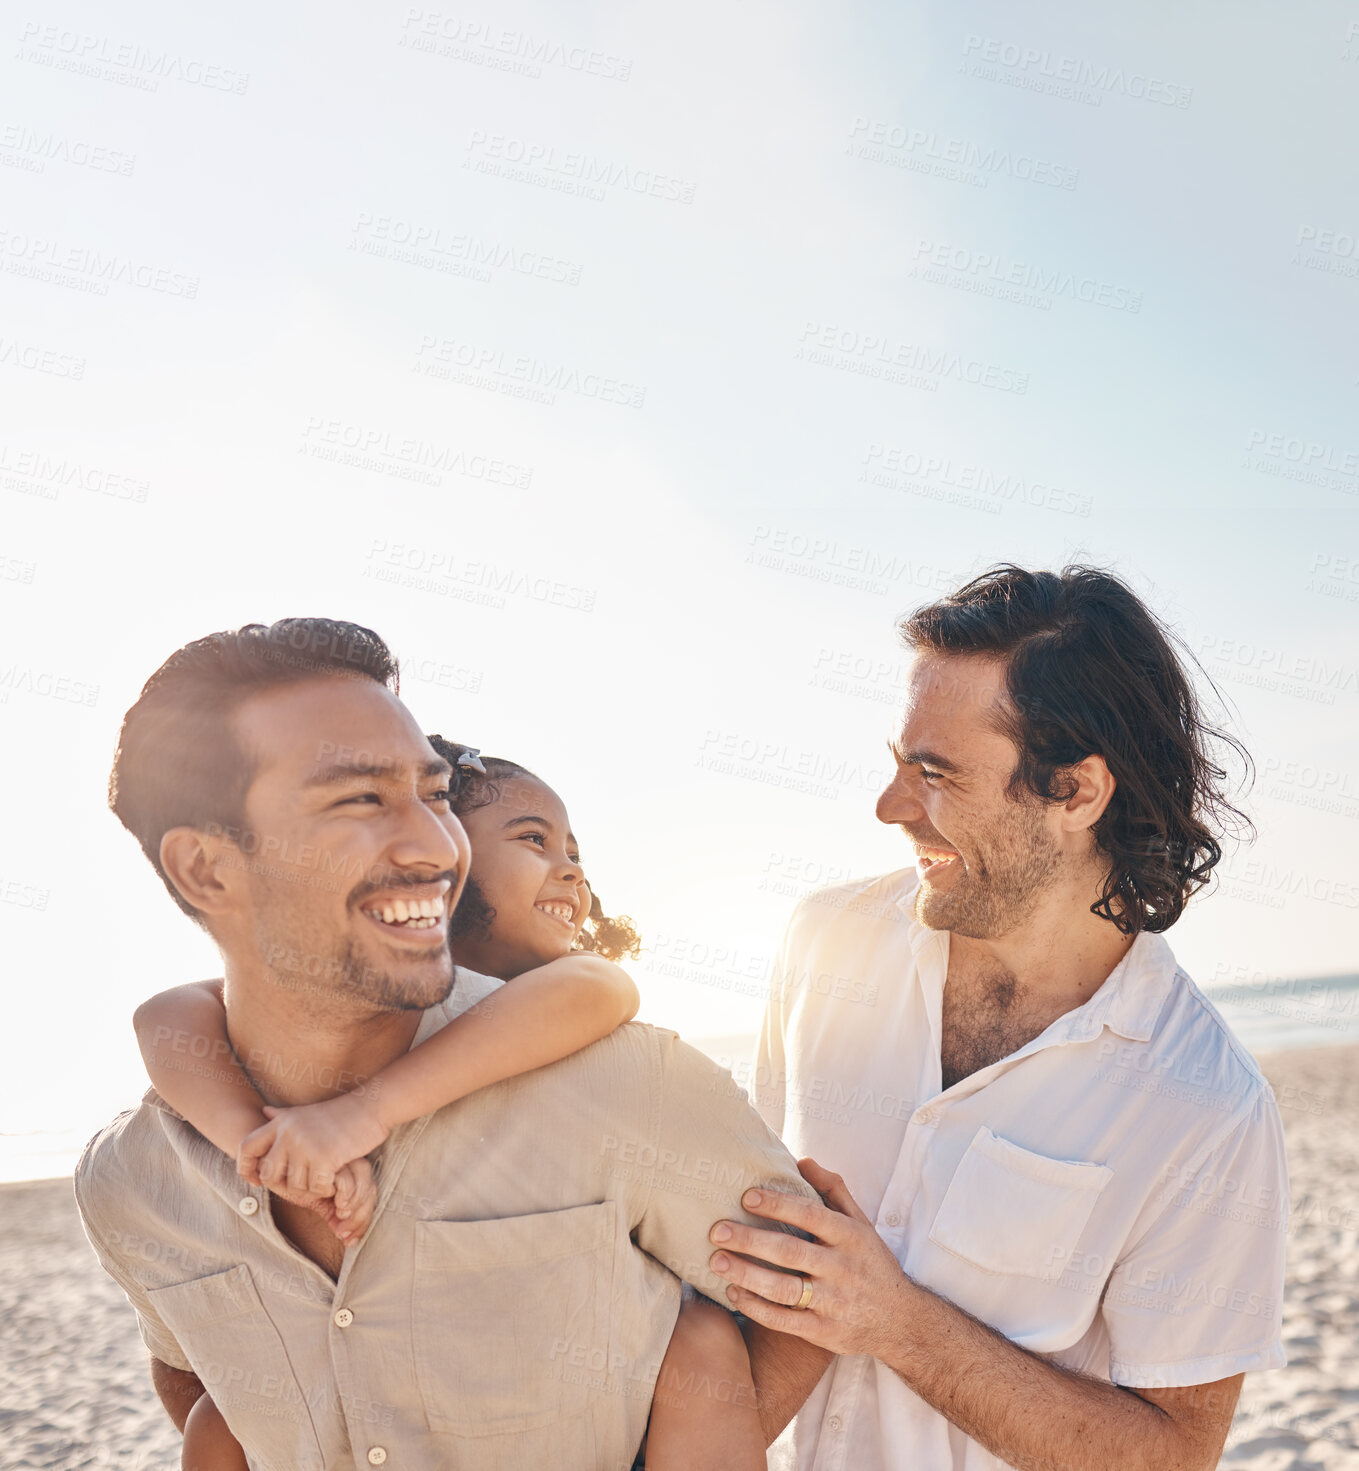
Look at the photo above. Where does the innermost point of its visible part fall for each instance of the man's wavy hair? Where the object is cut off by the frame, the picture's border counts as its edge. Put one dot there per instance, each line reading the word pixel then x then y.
pixel 1091 671
pixel 178 762
pixel 614 938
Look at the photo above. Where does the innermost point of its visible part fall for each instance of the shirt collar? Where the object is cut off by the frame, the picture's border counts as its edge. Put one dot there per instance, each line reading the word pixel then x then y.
pixel 1134 993
pixel 1129 1001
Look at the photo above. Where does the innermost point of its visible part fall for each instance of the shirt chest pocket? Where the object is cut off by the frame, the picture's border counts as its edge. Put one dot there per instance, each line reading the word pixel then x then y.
pixel 221 1324
pixel 511 1321
pixel 1010 1211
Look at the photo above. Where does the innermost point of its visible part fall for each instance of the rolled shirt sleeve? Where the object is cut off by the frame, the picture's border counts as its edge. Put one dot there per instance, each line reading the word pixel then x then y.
pixel 710 1147
pixel 1198 1297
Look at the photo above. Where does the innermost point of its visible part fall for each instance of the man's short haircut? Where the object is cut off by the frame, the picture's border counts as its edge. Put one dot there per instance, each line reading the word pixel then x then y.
pixel 179 763
pixel 1091 671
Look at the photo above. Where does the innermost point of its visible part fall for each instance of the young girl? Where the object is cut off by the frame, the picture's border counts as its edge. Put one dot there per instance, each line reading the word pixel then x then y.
pixel 521 918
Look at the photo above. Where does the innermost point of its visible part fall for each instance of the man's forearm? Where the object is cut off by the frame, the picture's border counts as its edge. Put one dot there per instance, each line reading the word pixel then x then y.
pixel 178 1390
pixel 785 1370
pixel 1032 1414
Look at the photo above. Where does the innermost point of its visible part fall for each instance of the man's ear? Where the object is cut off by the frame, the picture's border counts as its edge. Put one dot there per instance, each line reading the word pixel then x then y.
pixel 193 862
pixel 1094 787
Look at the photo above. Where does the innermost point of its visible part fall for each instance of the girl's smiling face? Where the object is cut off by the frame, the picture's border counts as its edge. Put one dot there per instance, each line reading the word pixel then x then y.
pixel 526 868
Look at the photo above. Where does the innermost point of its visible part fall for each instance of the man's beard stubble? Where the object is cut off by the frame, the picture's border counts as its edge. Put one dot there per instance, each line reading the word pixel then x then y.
pixel 996 895
pixel 302 956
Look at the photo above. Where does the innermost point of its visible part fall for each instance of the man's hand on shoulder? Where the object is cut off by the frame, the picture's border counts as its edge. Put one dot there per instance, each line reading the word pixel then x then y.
pixel 853 1283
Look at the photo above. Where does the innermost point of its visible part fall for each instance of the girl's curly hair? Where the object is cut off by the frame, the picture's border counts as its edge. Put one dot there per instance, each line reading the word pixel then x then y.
pixel 1091 671
pixel 612 938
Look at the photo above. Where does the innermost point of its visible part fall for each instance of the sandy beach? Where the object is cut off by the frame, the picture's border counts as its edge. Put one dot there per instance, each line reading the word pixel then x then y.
pixel 75 1390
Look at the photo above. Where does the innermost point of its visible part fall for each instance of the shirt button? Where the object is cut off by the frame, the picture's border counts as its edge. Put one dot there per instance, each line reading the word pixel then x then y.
pixel 249 1205
pixel 833 1423
pixel 925 1116
pixel 377 1456
pixel 343 1319
pixel 893 1219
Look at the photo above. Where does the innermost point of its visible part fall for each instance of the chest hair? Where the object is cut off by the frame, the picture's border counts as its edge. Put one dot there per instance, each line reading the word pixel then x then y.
pixel 985 1017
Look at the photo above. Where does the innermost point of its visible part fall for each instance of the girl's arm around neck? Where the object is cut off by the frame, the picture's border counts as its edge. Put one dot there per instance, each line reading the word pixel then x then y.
pixel 538 1018
pixel 183 1039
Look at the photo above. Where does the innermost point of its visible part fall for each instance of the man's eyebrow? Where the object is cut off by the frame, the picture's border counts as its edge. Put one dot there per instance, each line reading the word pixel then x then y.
pixel 341 771
pixel 921 758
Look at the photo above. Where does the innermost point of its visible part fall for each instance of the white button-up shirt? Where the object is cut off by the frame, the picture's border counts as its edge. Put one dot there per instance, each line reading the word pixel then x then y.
pixel 1113 1196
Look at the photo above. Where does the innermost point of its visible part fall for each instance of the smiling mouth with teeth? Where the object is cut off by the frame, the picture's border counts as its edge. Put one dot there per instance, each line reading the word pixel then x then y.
pixel 929 859
pixel 558 909
pixel 409 914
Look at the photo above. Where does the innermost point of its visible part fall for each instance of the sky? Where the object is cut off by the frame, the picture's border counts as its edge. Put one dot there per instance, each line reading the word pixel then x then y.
pixel 633 373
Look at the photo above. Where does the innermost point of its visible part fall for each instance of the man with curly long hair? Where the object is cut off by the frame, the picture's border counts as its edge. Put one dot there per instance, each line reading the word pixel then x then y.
pixel 1065 1242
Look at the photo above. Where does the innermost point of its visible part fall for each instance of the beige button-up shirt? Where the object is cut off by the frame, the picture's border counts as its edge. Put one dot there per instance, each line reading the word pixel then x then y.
pixel 1113 1196
pixel 510 1304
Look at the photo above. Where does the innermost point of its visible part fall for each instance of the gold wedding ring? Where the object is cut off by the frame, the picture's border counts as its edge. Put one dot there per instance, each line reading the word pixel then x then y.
pixel 805 1301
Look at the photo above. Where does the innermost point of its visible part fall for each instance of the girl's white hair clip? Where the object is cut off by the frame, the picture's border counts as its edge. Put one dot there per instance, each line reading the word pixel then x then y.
pixel 470 757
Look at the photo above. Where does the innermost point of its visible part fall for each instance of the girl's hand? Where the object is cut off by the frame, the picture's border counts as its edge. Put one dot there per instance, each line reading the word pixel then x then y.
pixel 302 1149
pixel 355 1198
pixel 348 1212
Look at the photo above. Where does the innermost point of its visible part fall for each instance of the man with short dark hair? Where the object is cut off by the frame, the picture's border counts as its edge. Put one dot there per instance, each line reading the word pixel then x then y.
pixel 513 1297
pixel 1072 1177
